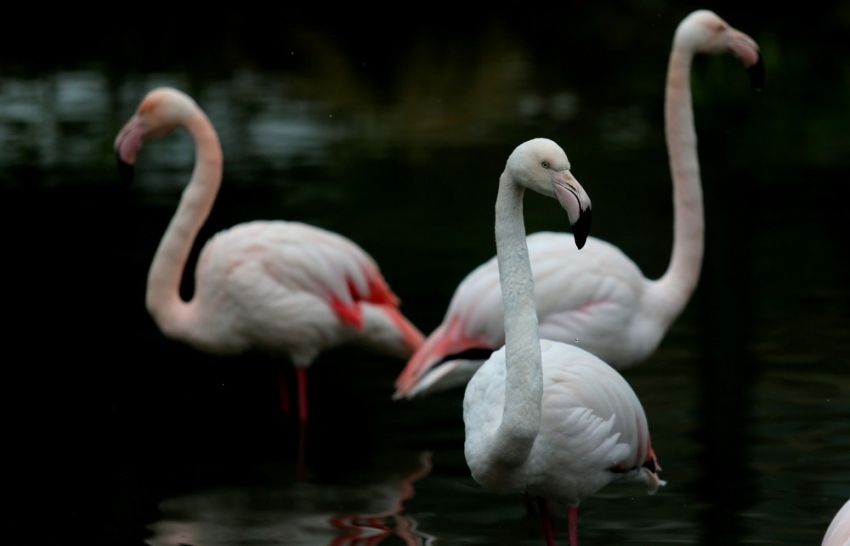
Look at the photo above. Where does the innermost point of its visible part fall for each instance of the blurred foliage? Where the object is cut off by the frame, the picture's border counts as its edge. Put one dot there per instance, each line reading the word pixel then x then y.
pixel 436 75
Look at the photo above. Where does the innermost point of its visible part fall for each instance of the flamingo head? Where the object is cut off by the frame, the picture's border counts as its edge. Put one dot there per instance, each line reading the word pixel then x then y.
pixel 160 112
pixel 704 31
pixel 542 166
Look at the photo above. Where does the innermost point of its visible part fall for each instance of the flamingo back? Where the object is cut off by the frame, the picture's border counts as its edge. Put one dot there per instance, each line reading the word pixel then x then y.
pixel 289 287
pixel 607 308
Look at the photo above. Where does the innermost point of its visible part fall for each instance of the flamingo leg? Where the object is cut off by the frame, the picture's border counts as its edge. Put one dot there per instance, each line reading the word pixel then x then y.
pixel 301 376
pixel 283 393
pixel 548 532
pixel 572 524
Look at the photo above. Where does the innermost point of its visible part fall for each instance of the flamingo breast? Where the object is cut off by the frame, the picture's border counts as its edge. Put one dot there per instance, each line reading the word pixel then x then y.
pixel 591 423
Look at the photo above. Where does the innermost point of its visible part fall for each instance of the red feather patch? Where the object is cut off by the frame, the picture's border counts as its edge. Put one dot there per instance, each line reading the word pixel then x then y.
pixel 377 292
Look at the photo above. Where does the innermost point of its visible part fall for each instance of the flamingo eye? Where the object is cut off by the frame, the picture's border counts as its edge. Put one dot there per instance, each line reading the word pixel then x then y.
pixel 545 164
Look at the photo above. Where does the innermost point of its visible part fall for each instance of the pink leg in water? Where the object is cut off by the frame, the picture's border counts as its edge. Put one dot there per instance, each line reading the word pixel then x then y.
pixel 572 524
pixel 546 521
pixel 283 394
pixel 301 375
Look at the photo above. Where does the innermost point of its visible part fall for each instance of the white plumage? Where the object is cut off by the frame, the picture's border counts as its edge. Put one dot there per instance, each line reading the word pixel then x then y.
pixel 591 422
pixel 838 532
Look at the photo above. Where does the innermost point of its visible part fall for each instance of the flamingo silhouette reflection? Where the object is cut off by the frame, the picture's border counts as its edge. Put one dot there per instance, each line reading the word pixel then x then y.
pixel 298 513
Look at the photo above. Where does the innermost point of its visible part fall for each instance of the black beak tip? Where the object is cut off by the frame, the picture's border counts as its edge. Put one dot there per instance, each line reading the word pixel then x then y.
pixel 756 73
pixel 581 229
pixel 125 171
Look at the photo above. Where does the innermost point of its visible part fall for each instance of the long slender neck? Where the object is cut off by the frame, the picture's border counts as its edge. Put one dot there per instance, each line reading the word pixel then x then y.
pixel 679 281
pixel 524 382
pixel 166 272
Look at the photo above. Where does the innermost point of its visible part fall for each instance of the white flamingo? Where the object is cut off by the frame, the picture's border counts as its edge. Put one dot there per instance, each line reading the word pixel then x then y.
pixel 285 288
pixel 838 532
pixel 543 417
pixel 608 307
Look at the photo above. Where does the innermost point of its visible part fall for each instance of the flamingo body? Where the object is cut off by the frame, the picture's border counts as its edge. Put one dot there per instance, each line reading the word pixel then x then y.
pixel 289 289
pixel 838 532
pixel 591 418
pixel 597 299
pixel 594 311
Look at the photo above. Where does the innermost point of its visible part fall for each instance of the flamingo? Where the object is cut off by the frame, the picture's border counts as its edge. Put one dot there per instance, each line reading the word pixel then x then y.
pixel 608 308
pixel 838 532
pixel 284 288
pixel 543 417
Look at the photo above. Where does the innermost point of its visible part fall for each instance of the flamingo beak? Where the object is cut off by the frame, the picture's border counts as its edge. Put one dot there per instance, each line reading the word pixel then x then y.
pixel 581 228
pixel 127 144
pixel 575 201
pixel 746 49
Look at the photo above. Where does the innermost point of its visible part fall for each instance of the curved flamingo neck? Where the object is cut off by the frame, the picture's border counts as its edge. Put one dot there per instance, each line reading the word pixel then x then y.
pixel 679 281
pixel 163 291
pixel 524 375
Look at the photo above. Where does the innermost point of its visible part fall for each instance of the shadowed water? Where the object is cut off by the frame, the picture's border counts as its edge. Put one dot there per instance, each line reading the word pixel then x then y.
pixel 120 436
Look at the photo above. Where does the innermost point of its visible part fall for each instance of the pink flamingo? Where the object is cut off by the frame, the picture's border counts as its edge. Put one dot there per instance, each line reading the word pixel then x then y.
pixel 544 417
pixel 838 532
pixel 608 307
pixel 285 288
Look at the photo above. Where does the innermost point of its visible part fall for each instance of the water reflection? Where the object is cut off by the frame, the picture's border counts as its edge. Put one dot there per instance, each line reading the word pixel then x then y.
pixel 366 512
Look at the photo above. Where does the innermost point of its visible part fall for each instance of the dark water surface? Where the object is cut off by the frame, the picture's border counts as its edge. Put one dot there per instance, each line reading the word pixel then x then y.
pixel 395 135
